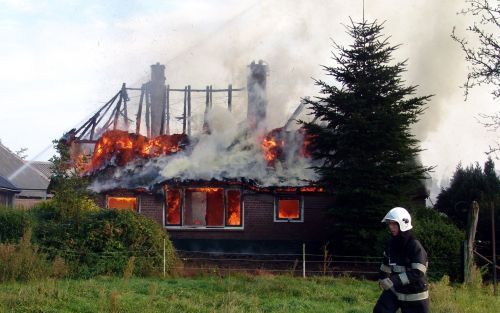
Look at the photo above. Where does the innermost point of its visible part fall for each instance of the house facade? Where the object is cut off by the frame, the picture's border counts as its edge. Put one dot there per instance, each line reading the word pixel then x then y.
pixel 232 185
pixel 215 217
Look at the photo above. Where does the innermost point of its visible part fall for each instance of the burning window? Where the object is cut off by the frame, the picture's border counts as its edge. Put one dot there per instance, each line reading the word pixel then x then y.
pixel 288 208
pixel 173 207
pixel 122 203
pixel 204 207
pixel 233 214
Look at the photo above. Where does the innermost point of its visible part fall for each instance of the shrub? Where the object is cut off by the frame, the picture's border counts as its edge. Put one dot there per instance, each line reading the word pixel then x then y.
pixel 442 241
pixel 13 223
pixel 23 261
pixel 103 242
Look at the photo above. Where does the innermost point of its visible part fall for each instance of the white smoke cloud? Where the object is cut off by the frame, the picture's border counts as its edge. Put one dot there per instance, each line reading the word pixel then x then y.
pixel 230 152
pixel 206 42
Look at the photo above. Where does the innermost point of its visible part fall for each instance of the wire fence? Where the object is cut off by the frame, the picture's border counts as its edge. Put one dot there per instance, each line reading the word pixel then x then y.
pixel 307 264
pixel 292 263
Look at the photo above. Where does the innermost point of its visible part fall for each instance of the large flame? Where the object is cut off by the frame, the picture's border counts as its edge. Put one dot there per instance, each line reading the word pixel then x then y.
pixel 122 203
pixel 120 147
pixel 233 208
pixel 274 144
pixel 173 206
pixel 289 208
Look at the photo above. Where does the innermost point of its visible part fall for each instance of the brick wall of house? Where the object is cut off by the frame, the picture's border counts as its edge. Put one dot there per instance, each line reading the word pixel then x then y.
pixel 259 224
pixel 150 205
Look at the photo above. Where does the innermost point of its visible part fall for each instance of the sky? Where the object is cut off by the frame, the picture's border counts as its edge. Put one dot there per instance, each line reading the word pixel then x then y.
pixel 61 60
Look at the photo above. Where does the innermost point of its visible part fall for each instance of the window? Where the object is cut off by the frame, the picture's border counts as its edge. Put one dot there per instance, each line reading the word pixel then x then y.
pixel 233 214
pixel 173 207
pixel 203 207
pixel 122 203
pixel 288 209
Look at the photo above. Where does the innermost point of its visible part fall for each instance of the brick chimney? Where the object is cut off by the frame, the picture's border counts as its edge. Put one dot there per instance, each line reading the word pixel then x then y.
pixel 157 89
pixel 257 97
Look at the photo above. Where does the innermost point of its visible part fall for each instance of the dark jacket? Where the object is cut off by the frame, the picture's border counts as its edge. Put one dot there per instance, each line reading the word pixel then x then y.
pixel 405 263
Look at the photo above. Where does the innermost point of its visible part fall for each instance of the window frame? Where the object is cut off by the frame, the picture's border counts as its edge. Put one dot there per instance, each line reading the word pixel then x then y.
pixel 181 226
pixel 288 197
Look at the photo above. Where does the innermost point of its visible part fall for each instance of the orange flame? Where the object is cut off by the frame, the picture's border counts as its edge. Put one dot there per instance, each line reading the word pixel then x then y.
pixel 288 208
pixel 122 203
pixel 206 189
pixel 233 208
pixel 274 143
pixel 272 146
pixel 173 206
pixel 122 147
pixel 312 189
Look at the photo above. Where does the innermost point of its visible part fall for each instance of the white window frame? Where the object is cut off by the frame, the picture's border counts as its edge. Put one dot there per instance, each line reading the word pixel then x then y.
pixel 215 228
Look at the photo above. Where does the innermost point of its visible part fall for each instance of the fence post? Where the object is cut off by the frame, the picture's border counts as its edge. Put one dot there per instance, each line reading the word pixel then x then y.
pixel 164 260
pixel 303 260
pixel 493 243
pixel 469 241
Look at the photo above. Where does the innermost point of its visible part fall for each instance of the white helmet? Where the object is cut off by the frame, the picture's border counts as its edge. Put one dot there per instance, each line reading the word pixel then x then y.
pixel 401 216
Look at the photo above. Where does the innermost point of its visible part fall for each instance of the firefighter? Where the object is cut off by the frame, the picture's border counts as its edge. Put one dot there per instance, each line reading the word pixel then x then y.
pixel 402 273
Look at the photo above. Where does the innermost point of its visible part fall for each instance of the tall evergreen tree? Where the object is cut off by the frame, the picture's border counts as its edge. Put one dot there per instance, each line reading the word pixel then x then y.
pixel 471 184
pixel 362 134
pixel 467 184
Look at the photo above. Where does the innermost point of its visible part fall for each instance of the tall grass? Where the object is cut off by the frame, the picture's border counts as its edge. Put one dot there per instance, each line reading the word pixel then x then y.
pixel 23 261
pixel 234 293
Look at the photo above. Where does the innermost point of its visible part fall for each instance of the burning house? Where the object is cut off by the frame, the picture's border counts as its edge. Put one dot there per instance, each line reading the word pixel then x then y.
pixel 231 185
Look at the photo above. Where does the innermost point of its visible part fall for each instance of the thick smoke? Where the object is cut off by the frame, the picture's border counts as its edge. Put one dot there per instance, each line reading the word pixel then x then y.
pixel 203 43
pixel 230 152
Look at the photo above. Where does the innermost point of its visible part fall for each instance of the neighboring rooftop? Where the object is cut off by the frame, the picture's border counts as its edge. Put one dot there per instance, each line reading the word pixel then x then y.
pixel 5 184
pixel 23 175
pixel 43 167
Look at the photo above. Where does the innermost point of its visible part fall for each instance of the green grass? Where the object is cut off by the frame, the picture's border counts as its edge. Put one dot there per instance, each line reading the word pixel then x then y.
pixel 237 293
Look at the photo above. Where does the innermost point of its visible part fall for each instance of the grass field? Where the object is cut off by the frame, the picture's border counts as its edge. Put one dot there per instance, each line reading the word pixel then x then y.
pixel 238 293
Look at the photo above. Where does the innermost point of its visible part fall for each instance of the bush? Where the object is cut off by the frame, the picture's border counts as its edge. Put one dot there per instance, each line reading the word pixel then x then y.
pixel 101 243
pixel 442 240
pixel 13 223
pixel 23 261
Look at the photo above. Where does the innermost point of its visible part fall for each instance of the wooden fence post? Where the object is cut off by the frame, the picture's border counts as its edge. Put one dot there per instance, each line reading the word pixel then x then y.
pixel 469 241
pixel 303 260
pixel 493 244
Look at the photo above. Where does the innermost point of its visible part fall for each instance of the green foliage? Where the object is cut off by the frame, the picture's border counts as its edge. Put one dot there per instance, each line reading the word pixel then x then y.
pixel 23 261
pixel 13 223
pixel 442 240
pixel 472 184
pixel 104 242
pixel 71 195
pixel 362 138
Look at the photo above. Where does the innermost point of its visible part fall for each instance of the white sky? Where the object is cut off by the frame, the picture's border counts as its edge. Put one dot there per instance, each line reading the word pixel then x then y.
pixel 60 60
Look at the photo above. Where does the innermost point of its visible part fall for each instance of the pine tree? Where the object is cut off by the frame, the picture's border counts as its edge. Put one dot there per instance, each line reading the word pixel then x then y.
pixel 471 184
pixel 362 133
